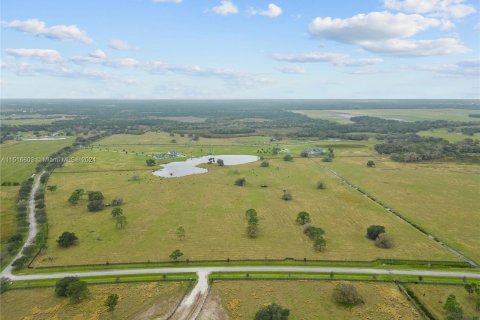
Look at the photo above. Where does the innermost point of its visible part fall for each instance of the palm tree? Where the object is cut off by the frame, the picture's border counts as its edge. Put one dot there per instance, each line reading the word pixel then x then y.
pixel 116 212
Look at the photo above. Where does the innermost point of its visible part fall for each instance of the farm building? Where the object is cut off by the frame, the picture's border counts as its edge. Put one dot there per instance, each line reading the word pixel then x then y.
pixel 314 151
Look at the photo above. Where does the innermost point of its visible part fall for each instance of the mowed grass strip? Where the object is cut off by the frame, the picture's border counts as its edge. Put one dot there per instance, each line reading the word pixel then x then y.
pixel 18 171
pixel 309 300
pixel 136 301
pixel 8 196
pixel 442 197
pixel 212 211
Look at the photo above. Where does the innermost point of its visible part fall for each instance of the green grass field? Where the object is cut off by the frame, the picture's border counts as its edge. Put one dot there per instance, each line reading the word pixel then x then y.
pixel 449 136
pixel 8 196
pixel 19 170
pixel 212 210
pixel 343 116
pixel 136 301
pixel 308 300
pixel 439 196
pixel 433 297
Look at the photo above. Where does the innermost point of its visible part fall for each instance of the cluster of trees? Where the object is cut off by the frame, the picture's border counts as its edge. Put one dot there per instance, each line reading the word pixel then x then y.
pixel 252 221
pixel 473 289
pixel 150 162
pixel 73 288
pixel 414 148
pixel 95 201
pixel 315 234
pixel 381 238
pixel 120 219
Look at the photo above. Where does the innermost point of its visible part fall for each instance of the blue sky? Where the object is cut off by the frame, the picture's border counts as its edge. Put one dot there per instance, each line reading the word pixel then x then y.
pixel 240 49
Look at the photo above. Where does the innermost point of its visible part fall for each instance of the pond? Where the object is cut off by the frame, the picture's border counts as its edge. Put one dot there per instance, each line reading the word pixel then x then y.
pixel 189 166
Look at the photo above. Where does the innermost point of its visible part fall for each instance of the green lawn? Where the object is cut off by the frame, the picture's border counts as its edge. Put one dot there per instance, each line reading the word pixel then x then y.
pixel 343 116
pixel 136 301
pixel 21 169
pixel 308 300
pixel 212 210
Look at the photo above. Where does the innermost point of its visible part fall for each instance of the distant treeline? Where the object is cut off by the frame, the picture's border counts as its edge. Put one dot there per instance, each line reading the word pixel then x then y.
pixel 414 148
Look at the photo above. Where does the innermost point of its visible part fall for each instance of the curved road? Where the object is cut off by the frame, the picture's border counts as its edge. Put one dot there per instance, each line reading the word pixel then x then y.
pixel 32 227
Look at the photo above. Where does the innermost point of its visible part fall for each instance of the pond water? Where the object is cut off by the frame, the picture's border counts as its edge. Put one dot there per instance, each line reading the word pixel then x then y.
pixel 189 166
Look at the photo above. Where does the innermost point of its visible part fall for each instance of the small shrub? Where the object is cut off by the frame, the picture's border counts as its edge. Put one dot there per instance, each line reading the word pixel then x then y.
pixel 346 294
pixel 287 196
pixel 264 164
pixel 241 182
pixel 287 157
pixel 384 241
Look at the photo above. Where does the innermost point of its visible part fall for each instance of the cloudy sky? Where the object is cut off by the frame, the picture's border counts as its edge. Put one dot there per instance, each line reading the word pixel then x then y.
pixel 240 49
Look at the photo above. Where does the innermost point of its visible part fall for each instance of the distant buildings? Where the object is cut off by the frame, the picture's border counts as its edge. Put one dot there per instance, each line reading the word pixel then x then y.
pixel 314 151
pixel 169 154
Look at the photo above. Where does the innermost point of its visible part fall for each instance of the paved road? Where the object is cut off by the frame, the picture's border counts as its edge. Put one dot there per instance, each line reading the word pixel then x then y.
pixel 32 227
pixel 208 270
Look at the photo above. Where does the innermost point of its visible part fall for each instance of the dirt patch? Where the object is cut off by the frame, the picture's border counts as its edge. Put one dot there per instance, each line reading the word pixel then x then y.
pixel 213 308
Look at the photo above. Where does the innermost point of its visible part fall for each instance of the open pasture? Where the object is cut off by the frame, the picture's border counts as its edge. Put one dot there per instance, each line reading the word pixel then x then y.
pixel 212 211
pixel 343 116
pixel 441 197
pixel 308 300
pixel 15 169
pixel 136 301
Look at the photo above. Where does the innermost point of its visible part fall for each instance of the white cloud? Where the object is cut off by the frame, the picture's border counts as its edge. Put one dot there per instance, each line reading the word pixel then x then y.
pixel 122 63
pixel 47 55
pixel 230 75
pixel 59 32
pixel 100 57
pixel 440 8
pixel 168 1
pixel 337 59
pixel 291 69
pixel 418 48
pixel 384 32
pixel 374 26
pixel 273 11
pixel 225 8
pixel 119 45
pixel 99 54
pixel 465 68
pixel 477 28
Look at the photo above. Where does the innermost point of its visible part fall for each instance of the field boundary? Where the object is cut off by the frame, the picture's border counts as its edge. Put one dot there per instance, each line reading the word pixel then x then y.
pixel 458 264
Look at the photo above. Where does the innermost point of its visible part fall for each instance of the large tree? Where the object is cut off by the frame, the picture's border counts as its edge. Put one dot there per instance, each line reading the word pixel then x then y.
pixel 77 291
pixel 272 312
pixel 67 239
pixel 303 217
pixel 374 230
